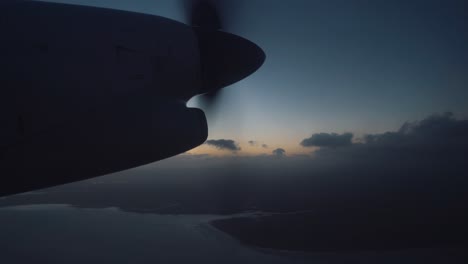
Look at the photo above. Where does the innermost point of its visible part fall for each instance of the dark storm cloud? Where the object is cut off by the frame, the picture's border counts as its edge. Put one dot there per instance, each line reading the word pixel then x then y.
pixel 252 143
pixel 224 144
pixel 328 140
pixel 279 152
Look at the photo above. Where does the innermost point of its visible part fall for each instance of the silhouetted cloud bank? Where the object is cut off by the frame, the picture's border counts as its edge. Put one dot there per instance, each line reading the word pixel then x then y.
pixel 328 140
pixel 437 131
pixel 225 144
pixel 436 141
pixel 279 152
pixel 423 160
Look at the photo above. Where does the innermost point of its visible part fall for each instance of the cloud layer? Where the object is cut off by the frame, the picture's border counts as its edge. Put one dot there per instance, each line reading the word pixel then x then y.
pixel 328 140
pixel 279 152
pixel 428 153
pixel 223 144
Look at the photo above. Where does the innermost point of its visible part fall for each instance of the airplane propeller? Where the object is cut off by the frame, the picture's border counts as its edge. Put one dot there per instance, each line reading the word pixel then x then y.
pixel 205 17
pixel 205 14
pixel 225 58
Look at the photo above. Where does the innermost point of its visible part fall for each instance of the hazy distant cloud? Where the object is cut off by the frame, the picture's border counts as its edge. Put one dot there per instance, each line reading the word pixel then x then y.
pixel 421 161
pixel 328 140
pixel 435 145
pixel 224 144
pixel 255 143
pixel 436 131
pixel 279 152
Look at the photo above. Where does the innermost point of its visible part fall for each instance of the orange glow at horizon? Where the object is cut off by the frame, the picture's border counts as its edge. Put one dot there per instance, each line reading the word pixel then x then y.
pixel 248 149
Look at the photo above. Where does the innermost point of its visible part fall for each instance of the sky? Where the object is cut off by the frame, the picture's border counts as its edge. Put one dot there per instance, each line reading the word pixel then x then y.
pixel 361 67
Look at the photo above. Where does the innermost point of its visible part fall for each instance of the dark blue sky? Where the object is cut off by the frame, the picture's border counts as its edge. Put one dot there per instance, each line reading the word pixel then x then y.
pixel 337 66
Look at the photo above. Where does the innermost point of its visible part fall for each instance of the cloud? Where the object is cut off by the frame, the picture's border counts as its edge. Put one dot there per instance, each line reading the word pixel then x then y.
pixel 328 140
pixel 255 143
pixel 279 152
pixel 440 133
pixel 429 149
pixel 223 144
pixel 436 131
